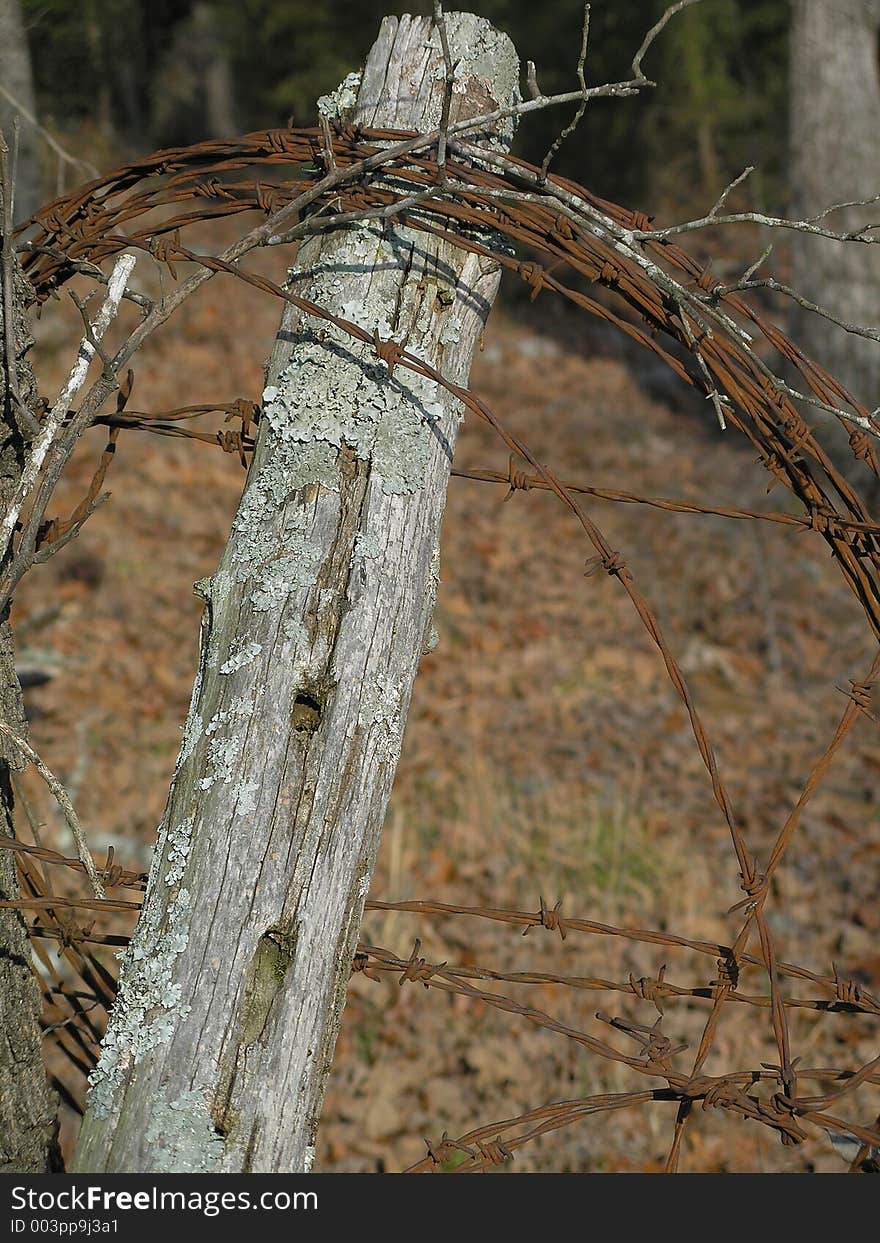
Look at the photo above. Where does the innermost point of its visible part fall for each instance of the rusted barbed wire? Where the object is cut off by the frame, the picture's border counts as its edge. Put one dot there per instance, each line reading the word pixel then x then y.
pixel 530 225
pixel 112 873
pixel 554 236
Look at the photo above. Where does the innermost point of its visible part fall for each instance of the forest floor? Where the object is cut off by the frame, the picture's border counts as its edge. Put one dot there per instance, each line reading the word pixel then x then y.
pixel 546 753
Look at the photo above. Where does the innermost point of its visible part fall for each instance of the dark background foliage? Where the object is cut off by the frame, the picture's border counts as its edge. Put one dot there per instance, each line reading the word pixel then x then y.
pixel 720 69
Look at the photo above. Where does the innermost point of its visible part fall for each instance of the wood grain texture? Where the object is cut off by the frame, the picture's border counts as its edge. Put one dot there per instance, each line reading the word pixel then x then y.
pixel 231 994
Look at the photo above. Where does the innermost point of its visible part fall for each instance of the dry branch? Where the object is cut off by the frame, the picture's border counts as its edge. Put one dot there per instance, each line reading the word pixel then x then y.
pixel 52 423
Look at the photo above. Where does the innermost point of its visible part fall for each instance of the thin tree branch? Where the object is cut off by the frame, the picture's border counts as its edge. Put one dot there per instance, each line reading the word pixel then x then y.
pixel 50 427
pixel 582 107
pixel 49 138
pixel 638 75
pixel 728 190
pixel 86 269
pixel 449 67
pixel 775 286
pixel 767 222
pixel 62 798
pixel 621 240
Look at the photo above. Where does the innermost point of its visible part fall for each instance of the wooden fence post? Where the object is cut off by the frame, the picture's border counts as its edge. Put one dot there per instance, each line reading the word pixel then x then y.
pixel 222 1037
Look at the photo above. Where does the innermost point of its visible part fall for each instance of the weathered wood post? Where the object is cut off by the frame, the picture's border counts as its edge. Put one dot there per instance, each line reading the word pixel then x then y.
pixel 231 992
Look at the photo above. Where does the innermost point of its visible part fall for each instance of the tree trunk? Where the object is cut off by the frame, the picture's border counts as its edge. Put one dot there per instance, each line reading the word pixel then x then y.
pixel 231 993
pixel 194 90
pixel 16 78
pixel 27 1106
pixel 835 157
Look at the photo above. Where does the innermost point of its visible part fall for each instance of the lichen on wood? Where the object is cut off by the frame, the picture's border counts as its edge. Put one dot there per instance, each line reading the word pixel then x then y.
pixel 314 626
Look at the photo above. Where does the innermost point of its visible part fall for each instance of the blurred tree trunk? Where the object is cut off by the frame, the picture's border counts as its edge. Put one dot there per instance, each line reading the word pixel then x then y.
pixel 27 1106
pixel 835 157
pixel 231 993
pixel 194 92
pixel 16 78
pixel 218 86
pixel 100 87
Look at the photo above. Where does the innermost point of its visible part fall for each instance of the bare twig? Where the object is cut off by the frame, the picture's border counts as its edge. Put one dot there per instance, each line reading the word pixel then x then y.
pixel 64 156
pixel 327 150
pixel 86 268
pixel 638 75
pixel 753 267
pixel 448 83
pixel 22 800
pixel 769 282
pixel 827 211
pixel 728 190
pixel 712 394
pixel 861 234
pixel 50 427
pixel 64 802
pixel 90 337
pixel 582 107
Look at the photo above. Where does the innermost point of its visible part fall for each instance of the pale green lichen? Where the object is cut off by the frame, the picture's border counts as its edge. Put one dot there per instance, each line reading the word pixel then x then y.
pixel 450 333
pixel 255 548
pixel 360 407
pixel 148 1003
pixel 381 712
pixel 192 732
pixel 485 55
pixel 222 754
pixel 182 1138
pixel 225 747
pixel 293 628
pixel 335 391
pixel 342 100
pixel 179 841
pixel 279 576
pixel 240 708
pixel 367 546
pixel 244 796
pixel 242 652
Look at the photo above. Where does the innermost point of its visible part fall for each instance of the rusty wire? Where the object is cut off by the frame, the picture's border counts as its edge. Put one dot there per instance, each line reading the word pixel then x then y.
pixel 538 240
